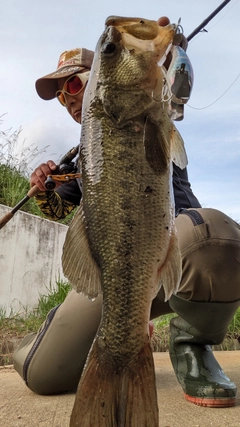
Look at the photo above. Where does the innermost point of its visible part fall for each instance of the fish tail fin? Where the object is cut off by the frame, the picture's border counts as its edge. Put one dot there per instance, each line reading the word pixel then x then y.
pixel 113 396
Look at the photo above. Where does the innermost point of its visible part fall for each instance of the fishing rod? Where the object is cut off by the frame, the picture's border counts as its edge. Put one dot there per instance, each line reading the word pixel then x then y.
pixel 182 74
pixel 207 20
pixel 63 167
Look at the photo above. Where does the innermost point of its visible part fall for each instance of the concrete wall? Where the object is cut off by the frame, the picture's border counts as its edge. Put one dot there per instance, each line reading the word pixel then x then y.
pixel 30 259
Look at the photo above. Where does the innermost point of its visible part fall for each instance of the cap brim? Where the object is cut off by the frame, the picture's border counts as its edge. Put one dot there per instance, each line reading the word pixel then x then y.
pixel 47 86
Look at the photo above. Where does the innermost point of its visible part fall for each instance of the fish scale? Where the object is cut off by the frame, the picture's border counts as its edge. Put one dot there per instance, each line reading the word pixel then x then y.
pixel 122 241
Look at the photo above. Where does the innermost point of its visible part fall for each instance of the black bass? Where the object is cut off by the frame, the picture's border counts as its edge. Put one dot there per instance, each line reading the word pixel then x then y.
pixel 122 241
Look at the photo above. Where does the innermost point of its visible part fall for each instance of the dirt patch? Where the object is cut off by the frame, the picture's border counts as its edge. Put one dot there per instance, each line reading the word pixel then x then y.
pixel 7 347
pixel 12 331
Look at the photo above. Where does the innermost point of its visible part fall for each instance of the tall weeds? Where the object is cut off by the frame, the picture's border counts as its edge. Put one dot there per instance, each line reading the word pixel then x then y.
pixel 15 158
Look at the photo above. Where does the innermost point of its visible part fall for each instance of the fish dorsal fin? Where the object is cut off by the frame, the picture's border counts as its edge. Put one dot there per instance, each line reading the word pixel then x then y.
pixel 79 267
pixel 178 153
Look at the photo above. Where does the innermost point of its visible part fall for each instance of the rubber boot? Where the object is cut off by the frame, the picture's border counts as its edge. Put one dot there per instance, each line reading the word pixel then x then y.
pixel 200 325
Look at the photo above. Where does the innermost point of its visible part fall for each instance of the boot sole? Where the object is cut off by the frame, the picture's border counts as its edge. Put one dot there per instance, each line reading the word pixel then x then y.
pixel 225 402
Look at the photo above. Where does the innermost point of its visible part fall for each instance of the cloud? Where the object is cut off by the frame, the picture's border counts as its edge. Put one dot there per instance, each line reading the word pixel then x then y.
pixel 53 138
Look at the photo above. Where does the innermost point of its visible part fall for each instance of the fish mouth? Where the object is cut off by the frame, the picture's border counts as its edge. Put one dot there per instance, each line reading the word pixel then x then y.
pixel 143 34
pixel 143 29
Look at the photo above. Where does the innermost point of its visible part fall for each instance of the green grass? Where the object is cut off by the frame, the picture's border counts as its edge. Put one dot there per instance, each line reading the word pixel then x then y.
pixel 15 158
pixel 234 327
pixel 161 335
pixel 15 326
pixel 54 296
pixel 29 321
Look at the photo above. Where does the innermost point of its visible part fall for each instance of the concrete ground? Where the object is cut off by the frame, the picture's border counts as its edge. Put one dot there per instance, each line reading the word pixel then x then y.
pixel 19 407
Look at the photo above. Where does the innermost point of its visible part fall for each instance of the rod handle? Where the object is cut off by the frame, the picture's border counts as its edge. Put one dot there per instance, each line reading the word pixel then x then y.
pixel 33 191
pixel 9 215
pixel 5 219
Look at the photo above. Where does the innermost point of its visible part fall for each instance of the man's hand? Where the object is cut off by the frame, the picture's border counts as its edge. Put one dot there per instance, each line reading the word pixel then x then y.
pixel 178 40
pixel 163 21
pixel 40 174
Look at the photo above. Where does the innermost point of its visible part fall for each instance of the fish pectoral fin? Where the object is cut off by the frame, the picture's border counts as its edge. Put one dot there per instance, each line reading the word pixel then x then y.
pixel 156 147
pixel 171 271
pixel 79 267
pixel 178 153
pixel 116 394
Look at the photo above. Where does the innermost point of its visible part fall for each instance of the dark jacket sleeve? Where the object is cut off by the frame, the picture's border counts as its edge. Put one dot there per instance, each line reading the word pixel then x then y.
pixel 58 204
pixel 71 192
pixel 183 195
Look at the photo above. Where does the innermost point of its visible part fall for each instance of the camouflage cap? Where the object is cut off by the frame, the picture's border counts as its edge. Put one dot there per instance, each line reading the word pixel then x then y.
pixel 70 62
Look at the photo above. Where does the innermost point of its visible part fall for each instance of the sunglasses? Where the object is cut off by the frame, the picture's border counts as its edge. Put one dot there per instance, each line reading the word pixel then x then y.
pixel 72 86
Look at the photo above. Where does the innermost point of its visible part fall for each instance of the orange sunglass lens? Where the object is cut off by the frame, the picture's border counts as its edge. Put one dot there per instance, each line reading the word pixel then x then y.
pixel 62 99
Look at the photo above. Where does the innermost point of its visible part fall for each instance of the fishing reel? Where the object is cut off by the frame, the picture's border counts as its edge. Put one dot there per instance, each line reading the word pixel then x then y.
pixel 66 172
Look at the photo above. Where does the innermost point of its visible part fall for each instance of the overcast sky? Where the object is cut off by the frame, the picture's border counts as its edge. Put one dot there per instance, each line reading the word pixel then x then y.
pixel 34 33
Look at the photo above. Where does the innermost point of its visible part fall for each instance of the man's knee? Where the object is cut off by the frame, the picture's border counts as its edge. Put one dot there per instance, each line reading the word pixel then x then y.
pixel 209 242
pixel 52 360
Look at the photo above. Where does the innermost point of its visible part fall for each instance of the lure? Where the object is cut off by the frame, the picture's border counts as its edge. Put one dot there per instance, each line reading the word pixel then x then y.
pixel 179 79
pixel 180 76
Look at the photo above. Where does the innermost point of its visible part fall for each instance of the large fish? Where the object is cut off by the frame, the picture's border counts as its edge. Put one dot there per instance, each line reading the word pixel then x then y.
pixel 122 240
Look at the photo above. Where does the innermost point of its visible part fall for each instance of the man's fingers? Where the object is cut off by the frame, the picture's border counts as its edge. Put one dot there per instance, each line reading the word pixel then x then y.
pixel 52 165
pixel 163 21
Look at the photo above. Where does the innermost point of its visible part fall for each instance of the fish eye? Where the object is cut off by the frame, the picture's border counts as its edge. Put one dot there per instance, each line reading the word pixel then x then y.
pixel 108 48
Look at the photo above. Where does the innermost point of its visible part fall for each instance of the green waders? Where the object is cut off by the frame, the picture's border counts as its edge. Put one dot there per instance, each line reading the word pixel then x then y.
pixel 200 325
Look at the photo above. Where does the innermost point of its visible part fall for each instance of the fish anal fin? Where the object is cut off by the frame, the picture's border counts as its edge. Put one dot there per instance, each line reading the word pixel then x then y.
pixel 79 267
pixel 116 396
pixel 171 270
